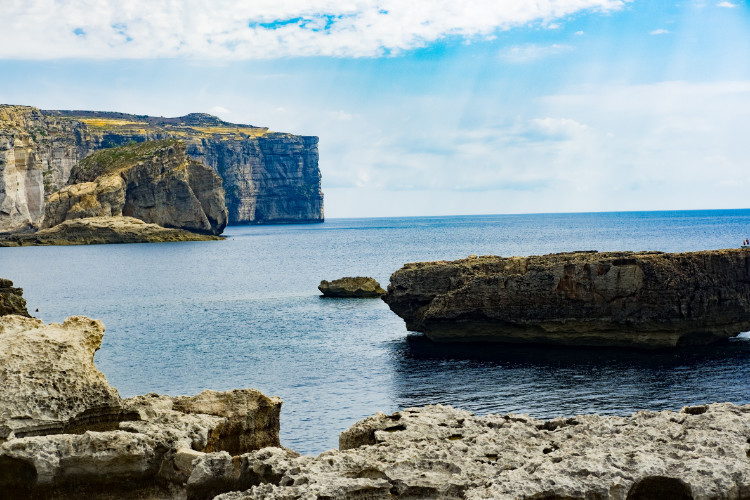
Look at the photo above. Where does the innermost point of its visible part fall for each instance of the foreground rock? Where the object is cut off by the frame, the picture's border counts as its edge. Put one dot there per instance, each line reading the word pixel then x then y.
pixel 102 230
pixel 11 299
pixel 65 432
pixel 646 299
pixel 153 181
pixel 443 453
pixel 359 287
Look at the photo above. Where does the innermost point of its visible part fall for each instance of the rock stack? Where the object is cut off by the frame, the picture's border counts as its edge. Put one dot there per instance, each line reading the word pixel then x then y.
pixel 644 299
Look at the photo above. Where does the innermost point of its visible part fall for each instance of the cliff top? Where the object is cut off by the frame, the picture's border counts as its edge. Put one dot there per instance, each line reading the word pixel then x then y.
pixel 192 124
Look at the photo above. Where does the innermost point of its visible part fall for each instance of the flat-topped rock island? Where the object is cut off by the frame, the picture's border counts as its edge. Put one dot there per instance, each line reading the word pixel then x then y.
pixel 643 299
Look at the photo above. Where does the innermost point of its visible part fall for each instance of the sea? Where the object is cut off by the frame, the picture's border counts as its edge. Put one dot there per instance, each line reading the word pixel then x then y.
pixel 246 313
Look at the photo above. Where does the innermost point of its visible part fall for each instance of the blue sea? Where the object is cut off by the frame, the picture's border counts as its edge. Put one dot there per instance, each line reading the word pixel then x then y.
pixel 246 312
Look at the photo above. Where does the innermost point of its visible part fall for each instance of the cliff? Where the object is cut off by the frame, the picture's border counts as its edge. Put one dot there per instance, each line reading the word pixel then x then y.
pixel 152 181
pixel 268 177
pixel 647 299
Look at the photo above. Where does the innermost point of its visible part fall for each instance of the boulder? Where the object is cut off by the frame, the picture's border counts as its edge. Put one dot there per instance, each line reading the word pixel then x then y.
pixel 444 453
pixel 358 287
pixel 11 299
pixel 645 299
pixel 102 230
pixel 153 181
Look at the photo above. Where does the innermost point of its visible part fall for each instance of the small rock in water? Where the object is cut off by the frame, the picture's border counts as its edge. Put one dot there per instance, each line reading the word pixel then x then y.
pixel 348 287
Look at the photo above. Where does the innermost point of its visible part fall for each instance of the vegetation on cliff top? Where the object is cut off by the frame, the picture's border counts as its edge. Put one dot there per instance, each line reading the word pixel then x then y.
pixel 112 160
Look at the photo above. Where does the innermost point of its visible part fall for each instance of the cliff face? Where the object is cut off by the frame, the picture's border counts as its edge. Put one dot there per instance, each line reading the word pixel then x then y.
pixel 152 181
pixel 647 299
pixel 268 177
pixel 37 153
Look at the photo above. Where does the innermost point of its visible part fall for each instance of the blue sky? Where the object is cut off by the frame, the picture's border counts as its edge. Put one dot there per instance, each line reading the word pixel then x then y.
pixel 430 109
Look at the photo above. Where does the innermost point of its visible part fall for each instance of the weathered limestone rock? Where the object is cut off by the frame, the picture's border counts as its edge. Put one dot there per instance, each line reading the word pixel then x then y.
pixel 645 299
pixel 49 381
pixel 65 433
pixel 252 419
pixel 37 153
pixel 152 181
pixel 102 230
pixel 11 299
pixel 269 177
pixel 359 287
pixel 443 453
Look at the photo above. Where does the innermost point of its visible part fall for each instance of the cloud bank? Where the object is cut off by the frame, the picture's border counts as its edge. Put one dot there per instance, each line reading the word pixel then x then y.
pixel 260 29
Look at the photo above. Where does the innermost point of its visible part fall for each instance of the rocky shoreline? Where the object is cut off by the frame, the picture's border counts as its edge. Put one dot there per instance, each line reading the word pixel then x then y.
pixel 622 299
pixel 65 433
pixel 102 230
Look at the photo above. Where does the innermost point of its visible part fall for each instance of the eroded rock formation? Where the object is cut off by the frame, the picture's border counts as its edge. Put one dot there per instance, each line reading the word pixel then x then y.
pixel 49 381
pixel 102 230
pixel 443 453
pixel 65 432
pixel 269 177
pixel 645 299
pixel 11 299
pixel 358 288
pixel 152 181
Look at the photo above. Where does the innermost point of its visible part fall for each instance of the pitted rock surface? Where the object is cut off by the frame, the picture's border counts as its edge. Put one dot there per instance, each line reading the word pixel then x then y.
pixel 439 452
pixel 644 299
pixel 358 288
pixel 65 433
pixel 49 380
pixel 154 182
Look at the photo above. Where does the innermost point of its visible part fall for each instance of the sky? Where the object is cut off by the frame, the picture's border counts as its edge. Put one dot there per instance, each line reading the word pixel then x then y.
pixel 427 107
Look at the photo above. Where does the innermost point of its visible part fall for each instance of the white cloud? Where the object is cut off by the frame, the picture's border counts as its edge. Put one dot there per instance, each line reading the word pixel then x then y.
pixel 341 115
pixel 660 31
pixel 579 33
pixel 532 52
pixel 219 110
pixel 227 29
pixel 727 5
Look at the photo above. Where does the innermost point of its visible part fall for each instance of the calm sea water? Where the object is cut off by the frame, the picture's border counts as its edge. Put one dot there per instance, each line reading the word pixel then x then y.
pixel 246 312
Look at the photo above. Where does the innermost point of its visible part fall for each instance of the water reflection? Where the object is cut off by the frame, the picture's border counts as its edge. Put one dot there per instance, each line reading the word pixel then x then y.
pixel 550 381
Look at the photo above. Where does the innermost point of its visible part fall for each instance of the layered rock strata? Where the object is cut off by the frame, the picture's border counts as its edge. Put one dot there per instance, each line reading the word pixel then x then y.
pixel 11 299
pixel 102 230
pixel 37 153
pixel 358 288
pixel 65 432
pixel 269 177
pixel 645 299
pixel 442 453
pixel 152 181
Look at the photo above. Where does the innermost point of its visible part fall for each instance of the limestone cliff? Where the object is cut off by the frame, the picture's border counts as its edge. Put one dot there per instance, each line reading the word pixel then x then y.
pixel 647 299
pixel 152 181
pixel 37 153
pixel 268 177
